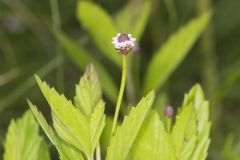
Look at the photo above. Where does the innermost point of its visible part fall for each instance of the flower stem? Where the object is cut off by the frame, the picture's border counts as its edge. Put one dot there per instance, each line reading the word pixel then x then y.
pixel 98 152
pixel 169 124
pixel 120 96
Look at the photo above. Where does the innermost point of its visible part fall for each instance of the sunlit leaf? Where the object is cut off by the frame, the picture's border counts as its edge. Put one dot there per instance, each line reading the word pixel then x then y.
pixel 126 134
pixel 153 142
pixel 97 123
pixel 69 122
pixel 23 141
pixel 172 53
pixel 65 151
pixel 43 123
pixel 88 91
pixel 196 97
pixel 184 132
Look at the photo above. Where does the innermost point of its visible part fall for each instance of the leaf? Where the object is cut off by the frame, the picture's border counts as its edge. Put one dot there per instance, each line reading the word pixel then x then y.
pixel 173 52
pixel 89 100
pixel 184 132
pixel 196 97
pixel 68 152
pixel 153 142
pixel 69 122
pixel 106 134
pixel 23 141
pixel 133 17
pixel 126 134
pixel 65 151
pixel 43 123
pixel 99 24
pixel 88 91
pixel 81 58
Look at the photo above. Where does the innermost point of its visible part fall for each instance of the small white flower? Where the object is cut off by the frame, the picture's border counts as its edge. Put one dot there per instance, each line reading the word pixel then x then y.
pixel 123 42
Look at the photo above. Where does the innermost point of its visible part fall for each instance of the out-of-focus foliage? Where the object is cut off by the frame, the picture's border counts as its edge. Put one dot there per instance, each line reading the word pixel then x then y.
pixel 173 52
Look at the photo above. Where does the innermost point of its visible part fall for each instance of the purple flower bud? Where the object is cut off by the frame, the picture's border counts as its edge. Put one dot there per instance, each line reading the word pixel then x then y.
pixel 169 112
pixel 123 43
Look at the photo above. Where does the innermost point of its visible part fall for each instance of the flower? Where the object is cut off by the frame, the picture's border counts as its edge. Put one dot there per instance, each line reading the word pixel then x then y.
pixel 169 112
pixel 123 43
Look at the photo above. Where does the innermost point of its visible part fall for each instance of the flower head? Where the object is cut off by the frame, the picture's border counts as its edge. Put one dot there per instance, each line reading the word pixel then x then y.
pixel 169 112
pixel 123 43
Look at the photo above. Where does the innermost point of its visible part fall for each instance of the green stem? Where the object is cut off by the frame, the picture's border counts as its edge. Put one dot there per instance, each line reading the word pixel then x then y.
pixel 169 124
pixel 120 96
pixel 98 152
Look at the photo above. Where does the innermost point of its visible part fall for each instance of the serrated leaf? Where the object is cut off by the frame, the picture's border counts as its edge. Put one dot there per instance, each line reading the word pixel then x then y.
pixel 133 17
pixel 43 123
pixel 81 58
pixel 97 123
pixel 65 151
pixel 99 24
pixel 126 134
pixel 153 142
pixel 184 132
pixel 23 141
pixel 68 152
pixel 69 121
pixel 88 91
pixel 173 52
pixel 196 97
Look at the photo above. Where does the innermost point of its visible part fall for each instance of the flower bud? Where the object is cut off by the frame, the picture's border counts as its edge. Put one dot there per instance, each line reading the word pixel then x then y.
pixel 169 112
pixel 123 43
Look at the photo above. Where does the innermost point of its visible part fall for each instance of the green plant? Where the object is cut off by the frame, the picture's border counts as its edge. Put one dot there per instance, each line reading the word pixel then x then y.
pixel 23 141
pixel 167 57
pixel 142 135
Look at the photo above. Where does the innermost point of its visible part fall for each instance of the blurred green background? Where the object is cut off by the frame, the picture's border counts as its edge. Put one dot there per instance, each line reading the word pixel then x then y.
pixel 31 41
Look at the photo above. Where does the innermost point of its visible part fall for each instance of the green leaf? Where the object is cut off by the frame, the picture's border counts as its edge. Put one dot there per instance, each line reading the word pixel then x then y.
pixel 106 134
pixel 153 142
pixel 201 106
pixel 184 132
pixel 68 152
pixel 89 100
pixel 65 151
pixel 99 24
pixel 43 123
pixel 69 122
pixel 88 91
pixel 126 134
pixel 81 58
pixel 23 141
pixel 173 52
pixel 133 17
pixel 97 123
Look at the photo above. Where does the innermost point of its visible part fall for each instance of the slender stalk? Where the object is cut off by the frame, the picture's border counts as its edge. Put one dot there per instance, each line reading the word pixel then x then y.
pixel 169 124
pixel 98 152
pixel 120 95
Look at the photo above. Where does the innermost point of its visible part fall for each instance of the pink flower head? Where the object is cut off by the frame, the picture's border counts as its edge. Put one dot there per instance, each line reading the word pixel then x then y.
pixel 123 43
